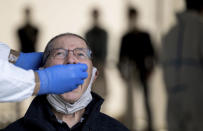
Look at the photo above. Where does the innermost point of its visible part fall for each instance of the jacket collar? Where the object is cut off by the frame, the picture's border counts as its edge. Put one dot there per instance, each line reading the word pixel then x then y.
pixel 40 111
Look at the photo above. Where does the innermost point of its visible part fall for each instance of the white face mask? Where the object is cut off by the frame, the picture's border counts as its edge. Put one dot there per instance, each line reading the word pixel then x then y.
pixel 60 105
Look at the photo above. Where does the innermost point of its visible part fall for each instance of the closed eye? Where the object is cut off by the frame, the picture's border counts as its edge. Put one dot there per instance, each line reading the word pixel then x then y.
pixel 59 54
pixel 80 54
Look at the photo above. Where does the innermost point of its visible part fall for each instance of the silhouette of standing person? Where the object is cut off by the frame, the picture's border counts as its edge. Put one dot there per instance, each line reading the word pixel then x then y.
pixel 98 38
pixel 182 55
pixel 138 54
pixel 27 34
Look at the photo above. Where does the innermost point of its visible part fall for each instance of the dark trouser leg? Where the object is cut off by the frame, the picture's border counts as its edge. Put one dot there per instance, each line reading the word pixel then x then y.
pixel 147 101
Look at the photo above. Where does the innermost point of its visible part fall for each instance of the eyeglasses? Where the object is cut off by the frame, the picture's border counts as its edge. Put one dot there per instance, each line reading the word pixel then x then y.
pixel 79 53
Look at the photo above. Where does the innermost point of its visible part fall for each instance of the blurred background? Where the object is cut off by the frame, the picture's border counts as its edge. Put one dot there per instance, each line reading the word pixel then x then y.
pixel 51 17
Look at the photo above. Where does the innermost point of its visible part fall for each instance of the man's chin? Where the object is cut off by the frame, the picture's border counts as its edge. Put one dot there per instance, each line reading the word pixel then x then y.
pixel 73 95
pixel 70 97
pixel 79 88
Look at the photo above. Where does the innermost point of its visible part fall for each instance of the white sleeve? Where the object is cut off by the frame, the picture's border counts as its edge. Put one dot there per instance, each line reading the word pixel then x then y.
pixel 4 51
pixel 16 84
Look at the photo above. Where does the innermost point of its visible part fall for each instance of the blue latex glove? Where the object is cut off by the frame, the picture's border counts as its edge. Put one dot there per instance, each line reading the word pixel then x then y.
pixel 29 60
pixel 59 79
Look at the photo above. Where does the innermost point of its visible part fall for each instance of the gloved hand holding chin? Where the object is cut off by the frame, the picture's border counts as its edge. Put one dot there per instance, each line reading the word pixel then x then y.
pixel 59 79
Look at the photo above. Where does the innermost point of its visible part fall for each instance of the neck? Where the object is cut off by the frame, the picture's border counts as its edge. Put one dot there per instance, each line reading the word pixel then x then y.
pixel 70 119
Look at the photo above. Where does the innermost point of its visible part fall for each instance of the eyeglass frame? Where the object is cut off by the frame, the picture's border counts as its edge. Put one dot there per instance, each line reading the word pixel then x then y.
pixel 89 52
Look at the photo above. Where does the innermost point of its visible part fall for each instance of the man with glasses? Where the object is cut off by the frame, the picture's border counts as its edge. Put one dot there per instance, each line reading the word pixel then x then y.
pixel 76 110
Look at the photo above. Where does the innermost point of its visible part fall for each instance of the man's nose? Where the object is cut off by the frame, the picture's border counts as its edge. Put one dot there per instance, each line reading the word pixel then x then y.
pixel 70 59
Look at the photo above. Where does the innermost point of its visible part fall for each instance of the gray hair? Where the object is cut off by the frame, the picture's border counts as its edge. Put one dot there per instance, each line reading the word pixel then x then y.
pixel 50 44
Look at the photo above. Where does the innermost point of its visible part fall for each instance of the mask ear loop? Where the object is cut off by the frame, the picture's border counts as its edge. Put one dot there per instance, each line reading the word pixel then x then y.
pixel 94 70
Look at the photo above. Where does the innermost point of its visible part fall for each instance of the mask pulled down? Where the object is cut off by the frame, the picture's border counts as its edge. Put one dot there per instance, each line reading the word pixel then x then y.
pixel 62 106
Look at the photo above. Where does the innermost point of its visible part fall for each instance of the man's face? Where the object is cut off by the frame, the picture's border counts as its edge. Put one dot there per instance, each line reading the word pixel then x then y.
pixel 70 42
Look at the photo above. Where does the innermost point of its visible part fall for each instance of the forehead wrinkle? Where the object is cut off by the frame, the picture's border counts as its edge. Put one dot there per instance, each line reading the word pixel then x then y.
pixel 63 40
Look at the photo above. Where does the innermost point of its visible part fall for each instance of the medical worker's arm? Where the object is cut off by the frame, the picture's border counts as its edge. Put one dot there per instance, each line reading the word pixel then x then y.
pixel 17 84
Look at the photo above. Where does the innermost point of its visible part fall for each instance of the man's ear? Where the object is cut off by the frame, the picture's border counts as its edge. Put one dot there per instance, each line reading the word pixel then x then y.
pixel 96 75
